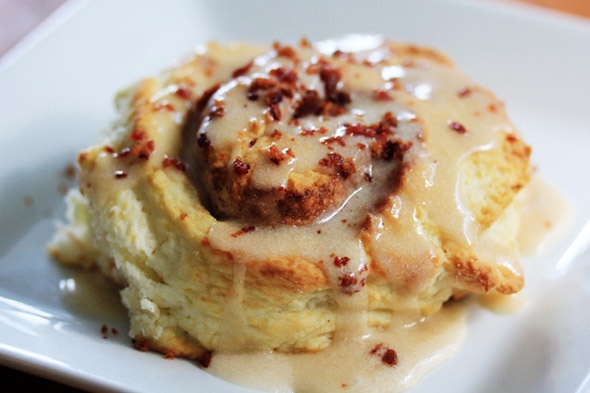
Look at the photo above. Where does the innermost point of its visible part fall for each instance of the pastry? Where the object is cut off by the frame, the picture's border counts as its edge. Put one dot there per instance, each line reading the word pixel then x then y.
pixel 270 197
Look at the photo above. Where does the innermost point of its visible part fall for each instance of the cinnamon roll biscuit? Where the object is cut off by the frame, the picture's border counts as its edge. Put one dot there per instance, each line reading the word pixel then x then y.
pixel 258 197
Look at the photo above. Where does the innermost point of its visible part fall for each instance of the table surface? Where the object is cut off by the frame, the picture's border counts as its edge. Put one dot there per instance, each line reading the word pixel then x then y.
pixel 19 17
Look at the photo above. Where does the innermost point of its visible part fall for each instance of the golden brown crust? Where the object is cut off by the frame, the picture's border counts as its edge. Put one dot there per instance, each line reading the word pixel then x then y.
pixel 476 275
pixel 489 192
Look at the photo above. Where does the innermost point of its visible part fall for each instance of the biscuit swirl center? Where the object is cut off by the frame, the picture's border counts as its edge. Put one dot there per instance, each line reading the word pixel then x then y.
pixel 296 133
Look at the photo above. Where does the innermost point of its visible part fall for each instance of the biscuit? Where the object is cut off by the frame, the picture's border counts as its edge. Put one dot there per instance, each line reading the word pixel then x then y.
pixel 251 196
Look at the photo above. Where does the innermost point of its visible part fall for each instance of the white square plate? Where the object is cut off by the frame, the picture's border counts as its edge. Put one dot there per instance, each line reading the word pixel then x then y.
pixel 56 94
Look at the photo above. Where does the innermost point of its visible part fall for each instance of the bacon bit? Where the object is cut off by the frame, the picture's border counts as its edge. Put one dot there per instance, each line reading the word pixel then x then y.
pixel 151 145
pixel 142 147
pixel 382 147
pixel 205 359
pixel 218 109
pixel 381 95
pixel 331 77
pixel 259 84
pixel 388 120
pixel 243 231
pixel 252 142
pixel 184 93
pixel 240 167
pixel 137 135
pixel 287 92
pixel 149 148
pixel 348 282
pixel 104 330
pixel 274 112
pixel 273 97
pixel 361 146
pixel 332 110
pixel 340 261
pixel 304 43
pixel 457 127
pixel 368 177
pixel 284 75
pixel 358 129
pixel 277 156
pixel 464 92
pixel 173 162
pixel 276 135
pixel 389 150
pixel 275 92
pixel 511 138
pixel 388 356
pixel 243 70
pixel 344 166
pixel 109 149
pixel 120 174
pixel 394 84
pixel 164 105
pixel 183 216
pixel 285 51
pixel 70 172
pixel 310 104
pixel 313 131
pixel 392 150
pixel 141 345
pixel 334 139
pixel 169 355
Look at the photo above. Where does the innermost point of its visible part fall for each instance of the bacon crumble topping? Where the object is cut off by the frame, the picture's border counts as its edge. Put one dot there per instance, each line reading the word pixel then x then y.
pixel 277 156
pixel 457 127
pixel 340 261
pixel 388 356
pixel 243 231
pixel 343 166
pixel 240 167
